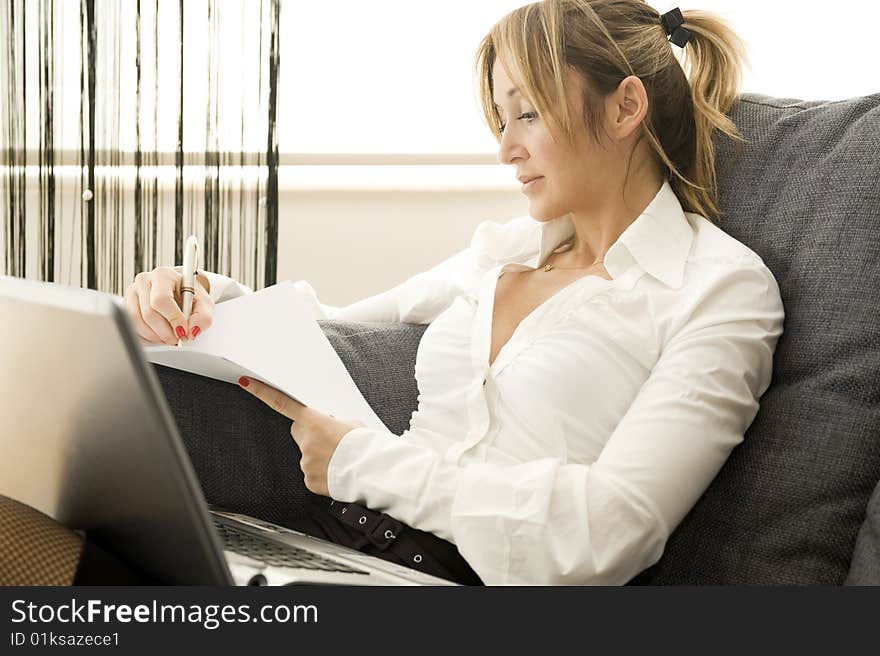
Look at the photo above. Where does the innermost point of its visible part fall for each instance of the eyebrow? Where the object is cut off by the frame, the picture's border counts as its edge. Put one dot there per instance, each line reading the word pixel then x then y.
pixel 509 95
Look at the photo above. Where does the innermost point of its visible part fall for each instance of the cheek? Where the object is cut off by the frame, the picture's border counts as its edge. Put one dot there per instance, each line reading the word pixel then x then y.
pixel 577 174
pixel 565 184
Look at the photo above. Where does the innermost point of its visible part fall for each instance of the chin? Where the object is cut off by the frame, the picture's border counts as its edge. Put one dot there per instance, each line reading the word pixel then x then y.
pixel 543 215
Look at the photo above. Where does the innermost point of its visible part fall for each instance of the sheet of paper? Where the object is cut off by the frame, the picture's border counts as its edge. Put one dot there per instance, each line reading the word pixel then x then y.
pixel 271 336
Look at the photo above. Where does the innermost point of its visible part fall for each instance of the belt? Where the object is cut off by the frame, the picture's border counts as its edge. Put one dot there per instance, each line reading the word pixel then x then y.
pixel 380 529
pixel 387 533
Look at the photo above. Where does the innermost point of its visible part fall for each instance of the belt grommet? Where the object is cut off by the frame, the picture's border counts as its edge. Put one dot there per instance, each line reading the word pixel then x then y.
pixel 389 534
pixel 417 558
pixel 363 519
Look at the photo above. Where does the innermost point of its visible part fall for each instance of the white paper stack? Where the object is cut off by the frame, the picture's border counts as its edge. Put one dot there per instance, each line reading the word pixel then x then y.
pixel 271 336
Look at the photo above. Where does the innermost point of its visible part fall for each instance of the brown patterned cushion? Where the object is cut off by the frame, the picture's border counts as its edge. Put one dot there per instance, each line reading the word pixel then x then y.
pixel 34 548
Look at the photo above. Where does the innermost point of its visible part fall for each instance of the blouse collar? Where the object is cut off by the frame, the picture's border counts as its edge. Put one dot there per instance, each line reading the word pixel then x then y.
pixel 659 240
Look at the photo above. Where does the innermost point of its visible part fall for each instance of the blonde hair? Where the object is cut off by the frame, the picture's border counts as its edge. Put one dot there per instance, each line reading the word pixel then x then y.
pixel 606 41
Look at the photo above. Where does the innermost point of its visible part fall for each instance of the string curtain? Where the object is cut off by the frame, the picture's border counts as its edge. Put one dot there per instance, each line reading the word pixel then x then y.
pixel 128 125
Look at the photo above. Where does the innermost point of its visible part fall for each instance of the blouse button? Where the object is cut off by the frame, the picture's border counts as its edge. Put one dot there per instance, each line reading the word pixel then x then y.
pixel 484 382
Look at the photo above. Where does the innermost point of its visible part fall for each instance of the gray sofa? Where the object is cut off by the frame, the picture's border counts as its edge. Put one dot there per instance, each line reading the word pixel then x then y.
pixel 789 506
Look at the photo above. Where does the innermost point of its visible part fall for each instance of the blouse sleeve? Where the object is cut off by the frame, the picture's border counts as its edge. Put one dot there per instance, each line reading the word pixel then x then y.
pixel 419 299
pixel 548 522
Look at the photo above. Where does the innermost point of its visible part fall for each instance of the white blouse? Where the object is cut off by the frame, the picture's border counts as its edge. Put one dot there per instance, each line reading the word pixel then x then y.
pixel 602 420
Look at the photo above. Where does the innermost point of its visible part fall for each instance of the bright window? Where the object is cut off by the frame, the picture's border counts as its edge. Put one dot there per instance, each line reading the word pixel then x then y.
pixel 387 76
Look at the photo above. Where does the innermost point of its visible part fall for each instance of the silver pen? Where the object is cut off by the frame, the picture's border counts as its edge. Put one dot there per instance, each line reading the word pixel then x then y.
pixel 188 285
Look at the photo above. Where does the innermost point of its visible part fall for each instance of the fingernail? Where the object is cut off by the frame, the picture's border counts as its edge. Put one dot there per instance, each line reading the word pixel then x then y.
pixel 195 332
pixel 244 382
pixel 181 332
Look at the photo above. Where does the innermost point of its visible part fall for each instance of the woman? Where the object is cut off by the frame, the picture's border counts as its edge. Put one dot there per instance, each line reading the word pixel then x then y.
pixel 588 368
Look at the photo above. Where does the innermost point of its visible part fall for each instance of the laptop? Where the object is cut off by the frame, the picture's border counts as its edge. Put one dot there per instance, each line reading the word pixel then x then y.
pixel 89 440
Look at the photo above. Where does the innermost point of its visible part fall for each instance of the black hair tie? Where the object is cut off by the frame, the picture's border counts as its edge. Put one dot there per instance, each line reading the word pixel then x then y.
pixel 672 21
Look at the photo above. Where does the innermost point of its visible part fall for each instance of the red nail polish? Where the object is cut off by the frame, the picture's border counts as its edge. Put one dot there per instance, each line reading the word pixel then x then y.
pixel 243 381
pixel 181 332
pixel 195 332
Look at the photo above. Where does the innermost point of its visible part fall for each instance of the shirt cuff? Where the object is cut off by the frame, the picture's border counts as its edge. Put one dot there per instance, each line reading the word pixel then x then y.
pixel 309 296
pixel 389 474
pixel 341 479
pixel 224 288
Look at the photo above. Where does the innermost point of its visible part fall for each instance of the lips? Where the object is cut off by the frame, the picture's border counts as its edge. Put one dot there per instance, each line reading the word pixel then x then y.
pixel 530 182
pixel 525 179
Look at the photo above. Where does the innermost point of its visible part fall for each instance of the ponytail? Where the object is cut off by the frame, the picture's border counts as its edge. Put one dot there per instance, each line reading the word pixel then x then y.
pixel 712 60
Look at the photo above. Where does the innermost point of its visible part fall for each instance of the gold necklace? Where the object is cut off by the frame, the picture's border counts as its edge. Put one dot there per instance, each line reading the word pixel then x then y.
pixel 550 267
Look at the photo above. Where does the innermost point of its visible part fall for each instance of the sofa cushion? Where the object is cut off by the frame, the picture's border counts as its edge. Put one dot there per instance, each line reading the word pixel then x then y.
pixel 241 449
pixel 381 359
pixel 788 504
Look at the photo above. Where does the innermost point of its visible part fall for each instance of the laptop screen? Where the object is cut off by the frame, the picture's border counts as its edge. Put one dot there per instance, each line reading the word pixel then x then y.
pixel 88 438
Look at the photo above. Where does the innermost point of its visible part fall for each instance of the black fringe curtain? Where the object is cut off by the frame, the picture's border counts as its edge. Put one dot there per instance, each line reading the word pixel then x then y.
pixel 127 125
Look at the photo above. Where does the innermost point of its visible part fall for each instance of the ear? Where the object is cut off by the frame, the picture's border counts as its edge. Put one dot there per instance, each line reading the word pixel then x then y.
pixel 626 107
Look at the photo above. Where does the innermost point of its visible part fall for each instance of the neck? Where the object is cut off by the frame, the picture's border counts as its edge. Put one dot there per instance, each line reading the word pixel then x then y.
pixel 599 226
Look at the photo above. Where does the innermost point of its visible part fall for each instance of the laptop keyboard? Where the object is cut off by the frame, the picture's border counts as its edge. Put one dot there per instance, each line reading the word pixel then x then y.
pixel 276 553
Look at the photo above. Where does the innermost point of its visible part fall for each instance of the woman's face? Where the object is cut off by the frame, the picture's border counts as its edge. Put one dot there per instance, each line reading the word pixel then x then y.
pixel 570 178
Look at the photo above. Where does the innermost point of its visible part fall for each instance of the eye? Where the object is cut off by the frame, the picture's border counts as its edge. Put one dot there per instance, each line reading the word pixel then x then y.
pixel 528 116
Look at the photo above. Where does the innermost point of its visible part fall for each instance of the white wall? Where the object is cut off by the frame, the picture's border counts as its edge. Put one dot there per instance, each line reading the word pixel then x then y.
pixel 352 244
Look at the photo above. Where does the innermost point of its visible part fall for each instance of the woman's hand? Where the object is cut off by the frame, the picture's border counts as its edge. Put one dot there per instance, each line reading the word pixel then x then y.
pixel 154 306
pixel 316 434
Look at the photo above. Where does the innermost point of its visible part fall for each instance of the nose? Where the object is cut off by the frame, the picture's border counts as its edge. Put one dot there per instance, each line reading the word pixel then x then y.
pixel 510 148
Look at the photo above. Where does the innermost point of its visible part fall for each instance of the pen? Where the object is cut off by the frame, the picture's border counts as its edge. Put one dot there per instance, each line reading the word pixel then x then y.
pixel 188 286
